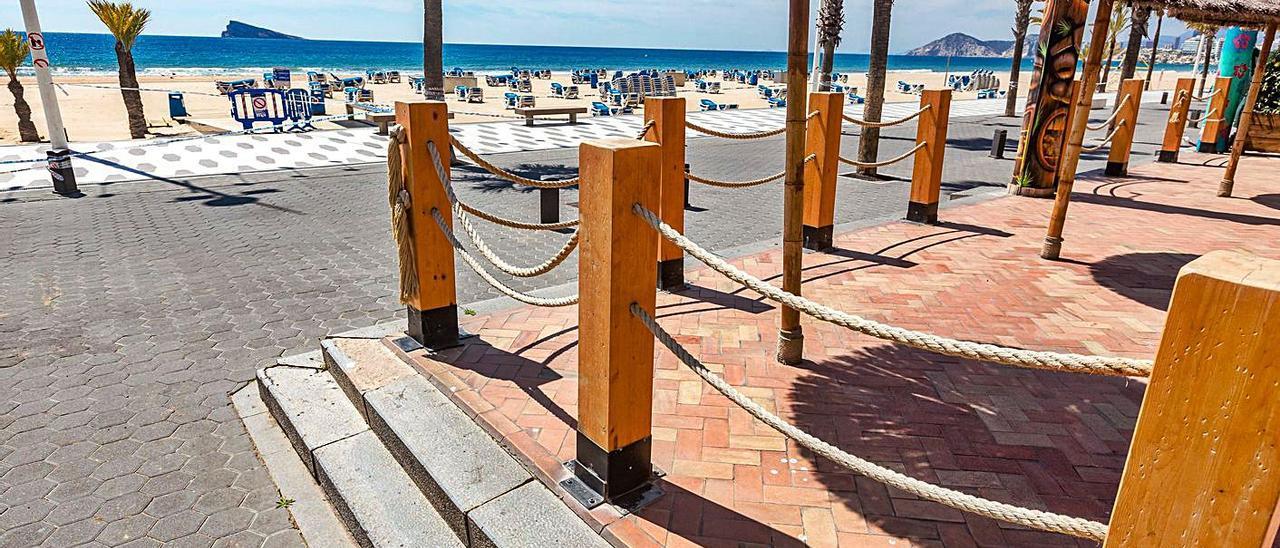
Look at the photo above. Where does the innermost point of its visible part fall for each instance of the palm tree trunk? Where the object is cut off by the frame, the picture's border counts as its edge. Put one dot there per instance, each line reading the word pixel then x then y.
pixel 869 144
pixel 1155 48
pixel 1015 73
pixel 828 65
pixel 26 128
pixel 433 50
pixel 129 92
pixel 1208 39
pixel 1106 71
pixel 1137 31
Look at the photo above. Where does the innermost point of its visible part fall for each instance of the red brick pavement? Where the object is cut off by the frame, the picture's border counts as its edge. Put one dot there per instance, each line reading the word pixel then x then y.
pixel 1044 440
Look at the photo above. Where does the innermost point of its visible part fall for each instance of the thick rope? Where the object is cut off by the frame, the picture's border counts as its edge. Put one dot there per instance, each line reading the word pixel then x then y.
pixel 890 161
pixel 1016 357
pixel 866 123
pixel 1110 136
pixel 1112 118
pixel 742 136
pixel 1205 97
pixel 509 223
pixel 488 278
pixel 481 246
pixel 1035 519
pixel 1207 116
pixel 645 130
pixel 743 184
pixel 563 183
pixel 398 200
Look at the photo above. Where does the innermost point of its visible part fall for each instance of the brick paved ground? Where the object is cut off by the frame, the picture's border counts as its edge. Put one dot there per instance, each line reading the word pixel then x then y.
pixel 1044 440
pixel 127 316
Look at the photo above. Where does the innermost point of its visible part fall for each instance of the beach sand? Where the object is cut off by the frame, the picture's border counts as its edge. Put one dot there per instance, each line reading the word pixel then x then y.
pixel 94 114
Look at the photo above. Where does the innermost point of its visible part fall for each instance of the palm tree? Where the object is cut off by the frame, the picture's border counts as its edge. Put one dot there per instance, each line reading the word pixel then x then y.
pixel 1119 23
pixel 830 23
pixel 433 50
pixel 1208 35
pixel 1021 21
pixel 125 23
pixel 869 144
pixel 1155 46
pixel 13 51
pixel 1137 33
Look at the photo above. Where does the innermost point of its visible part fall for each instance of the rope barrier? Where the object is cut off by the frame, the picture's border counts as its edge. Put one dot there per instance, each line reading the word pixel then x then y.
pixel 1205 97
pixel 502 221
pixel 891 161
pixel 489 279
pixel 866 123
pixel 743 184
pixel 1036 519
pixel 645 130
pixel 563 183
pixel 1112 118
pixel 96 86
pixel 398 199
pixel 1207 116
pixel 1015 357
pixel 1104 142
pixel 740 136
pixel 481 246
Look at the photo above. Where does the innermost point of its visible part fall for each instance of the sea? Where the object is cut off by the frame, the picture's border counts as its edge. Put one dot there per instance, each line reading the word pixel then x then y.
pixel 91 54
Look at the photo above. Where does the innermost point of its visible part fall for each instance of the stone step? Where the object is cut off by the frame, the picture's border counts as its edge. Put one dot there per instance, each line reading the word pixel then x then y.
pixel 373 496
pixel 484 493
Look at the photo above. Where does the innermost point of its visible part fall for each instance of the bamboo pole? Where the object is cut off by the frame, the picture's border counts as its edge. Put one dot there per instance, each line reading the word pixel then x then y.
pixel 1079 123
pixel 1246 119
pixel 790 336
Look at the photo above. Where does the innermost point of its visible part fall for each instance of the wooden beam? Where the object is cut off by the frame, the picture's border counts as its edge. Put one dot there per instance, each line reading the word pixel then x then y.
pixel 822 140
pixel 1175 129
pixel 790 336
pixel 1201 466
pixel 667 114
pixel 433 312
pixel 1125 127
pixel 1246 119
pixel 616 267
pixel 1216 111
pixel 1075 137
pixel 926 171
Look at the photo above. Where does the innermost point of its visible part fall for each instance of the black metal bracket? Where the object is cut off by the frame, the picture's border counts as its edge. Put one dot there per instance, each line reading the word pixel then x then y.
pixel 626 503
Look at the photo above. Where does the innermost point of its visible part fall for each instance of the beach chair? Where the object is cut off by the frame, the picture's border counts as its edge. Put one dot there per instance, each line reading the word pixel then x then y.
pixel 376 77
pixel 571 92
pixel 708 104
pixel 460 92
pixel 526 101
pixel 475 95
pixel 510 100
pixel 557 89
pixel 524 86
pixel 855 99
pixel 357 95
pixel 416 83
pixel 320 88
pixel 601 109
pixel 225 87
pixel 778 100
pixel 393 77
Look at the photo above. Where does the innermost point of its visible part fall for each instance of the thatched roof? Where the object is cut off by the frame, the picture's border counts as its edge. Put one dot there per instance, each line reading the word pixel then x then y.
pixel 1220 12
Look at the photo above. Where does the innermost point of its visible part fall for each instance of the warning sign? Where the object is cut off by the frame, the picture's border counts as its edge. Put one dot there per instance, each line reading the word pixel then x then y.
pixel 41 63
pixel 260 107
pixel 36 41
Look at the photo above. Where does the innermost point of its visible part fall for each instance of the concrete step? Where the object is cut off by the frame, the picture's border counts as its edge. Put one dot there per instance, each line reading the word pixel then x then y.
pixel 373 496
pixel 484 493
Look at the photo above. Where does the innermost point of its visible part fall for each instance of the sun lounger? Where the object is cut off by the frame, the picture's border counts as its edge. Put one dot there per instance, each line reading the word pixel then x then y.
pixel 393 76
pixel 855 99
pixel 991 93
pixel 601 109
pixel 376 76
pixel 475 95
pixel 460 92
pixel 226 87
pixel 708 104
pixel 357 95
pixel 320 88
pixel 510 100
pixel 416 82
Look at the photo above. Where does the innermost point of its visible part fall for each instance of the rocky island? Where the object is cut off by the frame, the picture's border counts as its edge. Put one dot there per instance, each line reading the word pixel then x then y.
pixel 236 29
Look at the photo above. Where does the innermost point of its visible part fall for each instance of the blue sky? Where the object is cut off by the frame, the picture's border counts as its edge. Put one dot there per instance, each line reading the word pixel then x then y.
pixel 696 24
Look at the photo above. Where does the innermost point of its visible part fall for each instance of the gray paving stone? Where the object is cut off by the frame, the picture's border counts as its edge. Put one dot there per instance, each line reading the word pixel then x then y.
pixel 455 462
pixel 529 516
pixel 310 407
pixel 376 499
pixel 361 365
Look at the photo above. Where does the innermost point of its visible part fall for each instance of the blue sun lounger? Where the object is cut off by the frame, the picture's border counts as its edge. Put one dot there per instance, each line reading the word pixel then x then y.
pixel 601 109
pixel 225 87
pixel 708 104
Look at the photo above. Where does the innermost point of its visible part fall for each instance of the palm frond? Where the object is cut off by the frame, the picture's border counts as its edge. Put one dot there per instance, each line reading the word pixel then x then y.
pixel 830 22
pixel 122 19
pixel 13 51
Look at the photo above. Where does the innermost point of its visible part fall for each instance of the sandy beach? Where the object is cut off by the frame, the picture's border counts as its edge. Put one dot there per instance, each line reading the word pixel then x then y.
pixel 97 114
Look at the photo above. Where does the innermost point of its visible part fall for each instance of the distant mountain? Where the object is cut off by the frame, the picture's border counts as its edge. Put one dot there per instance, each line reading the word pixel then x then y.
pixel 236 29
pixel 960 44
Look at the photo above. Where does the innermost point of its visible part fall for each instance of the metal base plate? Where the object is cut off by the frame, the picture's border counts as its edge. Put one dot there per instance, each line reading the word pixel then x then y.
pixel 627 503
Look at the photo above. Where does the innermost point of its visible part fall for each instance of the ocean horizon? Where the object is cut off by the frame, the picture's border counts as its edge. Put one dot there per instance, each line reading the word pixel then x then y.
pixel 75 54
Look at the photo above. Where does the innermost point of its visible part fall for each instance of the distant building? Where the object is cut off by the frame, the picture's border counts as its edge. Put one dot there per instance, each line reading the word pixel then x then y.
pixel 1191 45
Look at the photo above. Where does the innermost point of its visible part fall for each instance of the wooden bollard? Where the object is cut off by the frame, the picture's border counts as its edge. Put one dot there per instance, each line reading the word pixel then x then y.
pixel 1201 466
pixel 433 312
pixel 615 351
pixel 1177 124
pixel 1212 129
pixel 926 175
pixel 667 114
pixel 1126 126
pixel 823 141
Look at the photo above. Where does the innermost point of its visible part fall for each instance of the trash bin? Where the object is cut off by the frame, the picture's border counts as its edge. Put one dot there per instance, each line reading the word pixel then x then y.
pixel 177 107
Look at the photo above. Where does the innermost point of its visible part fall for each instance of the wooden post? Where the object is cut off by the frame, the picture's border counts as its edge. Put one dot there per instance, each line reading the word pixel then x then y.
pixel 1201 466
pixel 616 268
pixel 1075 138
pixel 822 139
pixel 667 114
pixel 1246 119
pixel 790 335
pixel 1126 126
pixel 926 173
pixel 433 312
pixel 1177 125
pixel 1216 111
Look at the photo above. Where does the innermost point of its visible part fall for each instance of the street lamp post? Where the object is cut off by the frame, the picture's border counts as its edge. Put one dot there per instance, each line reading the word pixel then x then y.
pixel 64 179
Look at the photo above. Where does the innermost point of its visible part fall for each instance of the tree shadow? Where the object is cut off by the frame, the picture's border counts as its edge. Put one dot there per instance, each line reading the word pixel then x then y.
pixel 1174 209
pixel 481 358
pixel 1042 440
pixel 1270 200
pixel 486 182
pixel 703 522
pixel 206 196
pixel 1146 278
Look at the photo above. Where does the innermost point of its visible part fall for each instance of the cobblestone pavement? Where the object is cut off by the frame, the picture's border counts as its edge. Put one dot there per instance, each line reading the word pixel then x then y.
pixel 1038 439
pixel 127 316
